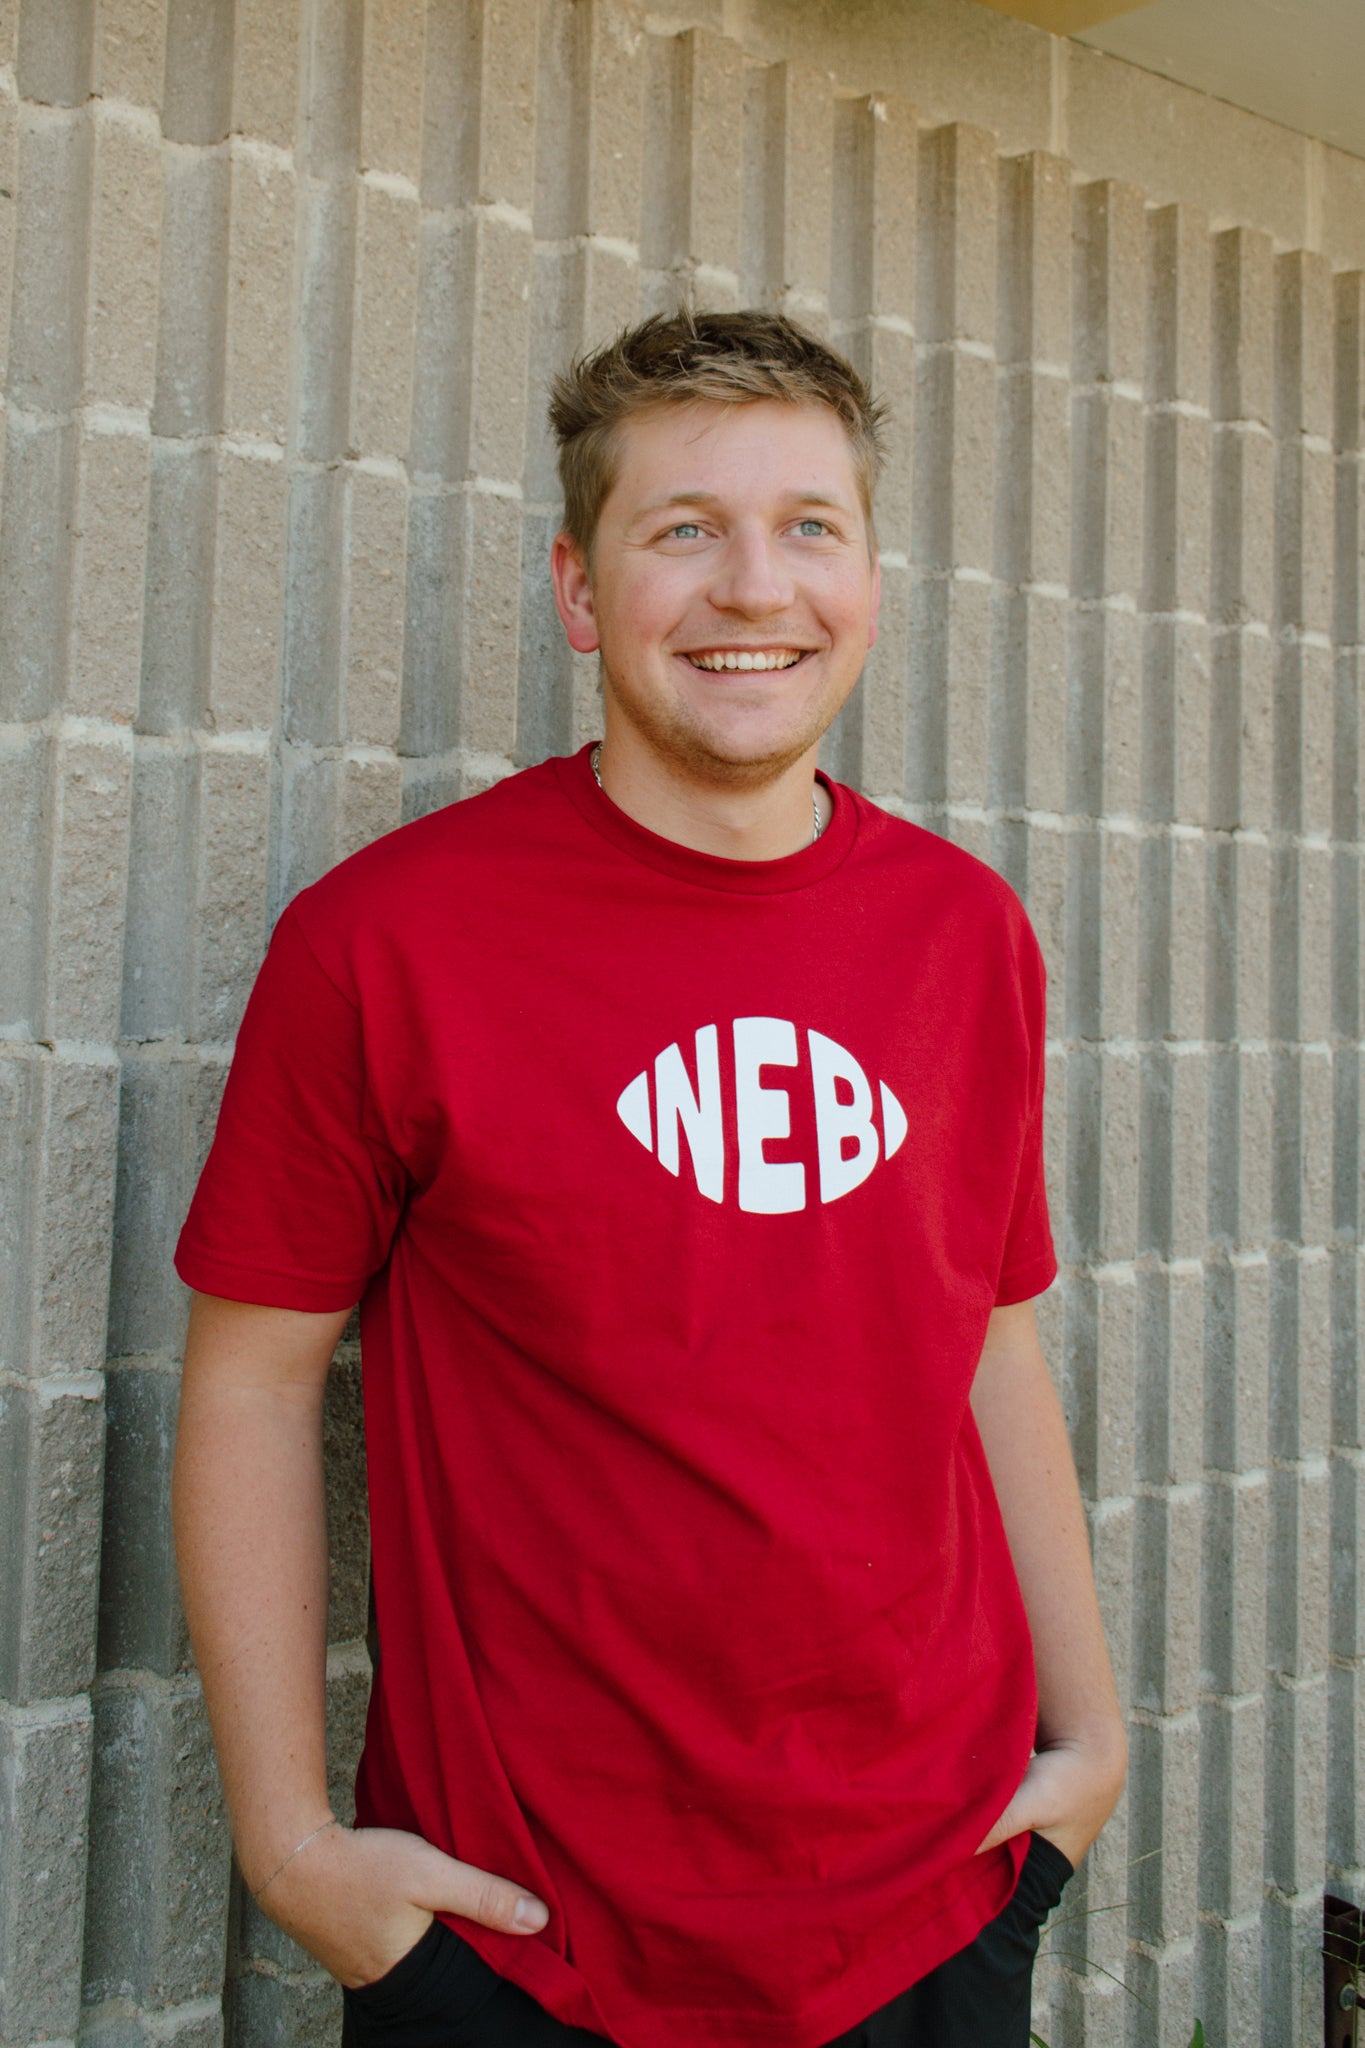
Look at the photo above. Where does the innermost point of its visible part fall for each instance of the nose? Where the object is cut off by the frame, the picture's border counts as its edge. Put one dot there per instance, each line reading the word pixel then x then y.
pixel 752 578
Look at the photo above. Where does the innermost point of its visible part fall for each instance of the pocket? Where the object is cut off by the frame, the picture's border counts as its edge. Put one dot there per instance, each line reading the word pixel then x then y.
pixel 989 1979
pixel 1044 1875
pixel 438 1985
pixel 395 1983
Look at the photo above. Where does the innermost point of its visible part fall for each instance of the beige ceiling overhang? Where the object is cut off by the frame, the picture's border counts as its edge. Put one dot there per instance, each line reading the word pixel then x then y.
pixel 1298 62
pixel 1064 17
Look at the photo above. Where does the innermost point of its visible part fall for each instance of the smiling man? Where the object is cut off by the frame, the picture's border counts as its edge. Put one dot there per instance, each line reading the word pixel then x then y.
pixel 710 562
pixel 674 1115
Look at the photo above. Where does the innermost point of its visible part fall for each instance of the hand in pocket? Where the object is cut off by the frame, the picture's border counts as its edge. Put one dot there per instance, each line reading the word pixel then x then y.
pixel 360 1901
pixel 1066 1795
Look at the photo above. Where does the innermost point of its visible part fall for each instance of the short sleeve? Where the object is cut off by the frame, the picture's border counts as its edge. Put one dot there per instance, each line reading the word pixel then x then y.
pixel 300 1196
pixel 1029 1262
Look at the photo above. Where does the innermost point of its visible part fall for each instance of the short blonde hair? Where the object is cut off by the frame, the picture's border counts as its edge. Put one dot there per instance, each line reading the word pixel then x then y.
pixel 685 357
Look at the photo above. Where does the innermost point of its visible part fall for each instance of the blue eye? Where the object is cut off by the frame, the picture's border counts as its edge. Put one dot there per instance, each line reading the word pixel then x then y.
pixel 688 530
pixel 813 528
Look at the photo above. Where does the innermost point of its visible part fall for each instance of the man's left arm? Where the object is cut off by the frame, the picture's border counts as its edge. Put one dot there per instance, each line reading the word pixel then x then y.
pixel 1073 1782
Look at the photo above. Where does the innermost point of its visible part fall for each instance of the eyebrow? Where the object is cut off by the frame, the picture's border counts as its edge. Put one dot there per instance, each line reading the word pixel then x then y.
pixel 832 499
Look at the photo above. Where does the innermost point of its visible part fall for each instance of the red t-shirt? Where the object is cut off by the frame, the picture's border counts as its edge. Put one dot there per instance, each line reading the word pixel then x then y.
pixel 676 1193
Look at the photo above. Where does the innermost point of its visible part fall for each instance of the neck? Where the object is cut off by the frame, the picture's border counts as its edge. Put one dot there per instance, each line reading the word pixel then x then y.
pixel 763 822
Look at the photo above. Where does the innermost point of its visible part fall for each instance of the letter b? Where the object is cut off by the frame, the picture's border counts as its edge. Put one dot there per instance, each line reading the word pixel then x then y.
pixel 835 1121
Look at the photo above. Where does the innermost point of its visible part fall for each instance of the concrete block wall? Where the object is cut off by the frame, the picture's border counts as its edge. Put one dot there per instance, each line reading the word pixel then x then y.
pixel 282 287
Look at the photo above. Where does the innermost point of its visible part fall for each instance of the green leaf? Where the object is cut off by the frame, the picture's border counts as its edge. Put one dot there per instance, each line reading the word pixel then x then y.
pixel 1197 2037
pixel 1038 2041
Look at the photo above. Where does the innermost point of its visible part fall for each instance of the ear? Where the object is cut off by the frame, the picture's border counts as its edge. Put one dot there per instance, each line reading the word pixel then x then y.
pixel 573 594
pixel 876 600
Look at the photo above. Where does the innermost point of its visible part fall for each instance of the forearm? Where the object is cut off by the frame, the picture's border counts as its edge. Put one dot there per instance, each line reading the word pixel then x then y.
pixel 1024 1436
pixel 250 1526
pixel 251 1534
pixel 1025 1440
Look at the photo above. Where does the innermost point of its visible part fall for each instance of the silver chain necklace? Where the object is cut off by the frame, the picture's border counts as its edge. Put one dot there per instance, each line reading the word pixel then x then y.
pixel 817 822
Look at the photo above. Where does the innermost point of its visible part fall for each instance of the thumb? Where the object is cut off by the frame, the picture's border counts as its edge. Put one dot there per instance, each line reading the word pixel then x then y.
pixel 1010 1823
pixel 449 1886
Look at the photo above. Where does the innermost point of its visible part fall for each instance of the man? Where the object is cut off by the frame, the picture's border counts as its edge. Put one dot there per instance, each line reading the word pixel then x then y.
pixel 675 1117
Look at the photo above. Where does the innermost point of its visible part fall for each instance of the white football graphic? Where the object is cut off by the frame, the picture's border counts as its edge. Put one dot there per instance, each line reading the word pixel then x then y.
pixel 661 1109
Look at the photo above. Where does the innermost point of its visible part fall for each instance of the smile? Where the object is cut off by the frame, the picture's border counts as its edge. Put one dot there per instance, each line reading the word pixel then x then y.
pixel 748 658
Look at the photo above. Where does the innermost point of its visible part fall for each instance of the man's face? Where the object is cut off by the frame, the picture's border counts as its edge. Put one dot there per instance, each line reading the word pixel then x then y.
pixel 733 593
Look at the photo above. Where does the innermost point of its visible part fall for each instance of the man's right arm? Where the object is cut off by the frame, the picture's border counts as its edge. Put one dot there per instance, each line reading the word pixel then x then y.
pixel 251 1537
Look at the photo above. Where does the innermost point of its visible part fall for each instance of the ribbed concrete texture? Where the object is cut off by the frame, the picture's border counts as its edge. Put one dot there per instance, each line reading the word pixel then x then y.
pixel 282 286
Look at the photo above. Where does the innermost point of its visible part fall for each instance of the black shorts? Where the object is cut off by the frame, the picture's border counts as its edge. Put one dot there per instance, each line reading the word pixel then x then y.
pixel 442 1995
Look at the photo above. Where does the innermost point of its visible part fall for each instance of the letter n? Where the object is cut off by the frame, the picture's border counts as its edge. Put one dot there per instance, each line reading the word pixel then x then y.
pixel 675 1104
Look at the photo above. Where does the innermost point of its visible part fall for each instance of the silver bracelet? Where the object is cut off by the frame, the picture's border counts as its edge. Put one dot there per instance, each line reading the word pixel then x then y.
pixel 331 1822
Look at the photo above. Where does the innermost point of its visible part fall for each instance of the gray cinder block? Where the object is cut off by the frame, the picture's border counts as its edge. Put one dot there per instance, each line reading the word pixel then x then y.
pixel 377 520
pixel 1163 1793
pixel 108 574
pixel 386 317
pixel 394 59
pixel 1167 1611
pixel 157 1163
pixel 1164 1980
pixel 35 564
pixel 1291 1968
pixel 1347 1479
pixel 691 216
pixel 262 210
pixel 159 1849
pixel 1232 1754
pixel 248 584
pixel 1243 326
pixel 1228 1979
pixel 1346 1761
pixel 198 83
pixel 348 1533
pixel 1236 1538
pixel 330 137
pixel 87 868
pixel 193 295
pixel 70 1191
pixel 177 605
pixel 229 928
pixel 157 961
pixel 545 671
pixel 55 52
pixel 125 231
pixel 313 615
pixel 44 1793
pixel 142 1624
pixel 51 1455
pixel 275 2009
pixel 327 282
pixel 50 258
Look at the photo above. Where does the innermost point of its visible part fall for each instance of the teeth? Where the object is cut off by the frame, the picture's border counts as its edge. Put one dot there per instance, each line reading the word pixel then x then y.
pixel 747 660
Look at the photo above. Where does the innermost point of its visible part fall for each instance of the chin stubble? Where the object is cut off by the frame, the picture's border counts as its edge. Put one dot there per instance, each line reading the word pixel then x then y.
pixel 694 751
